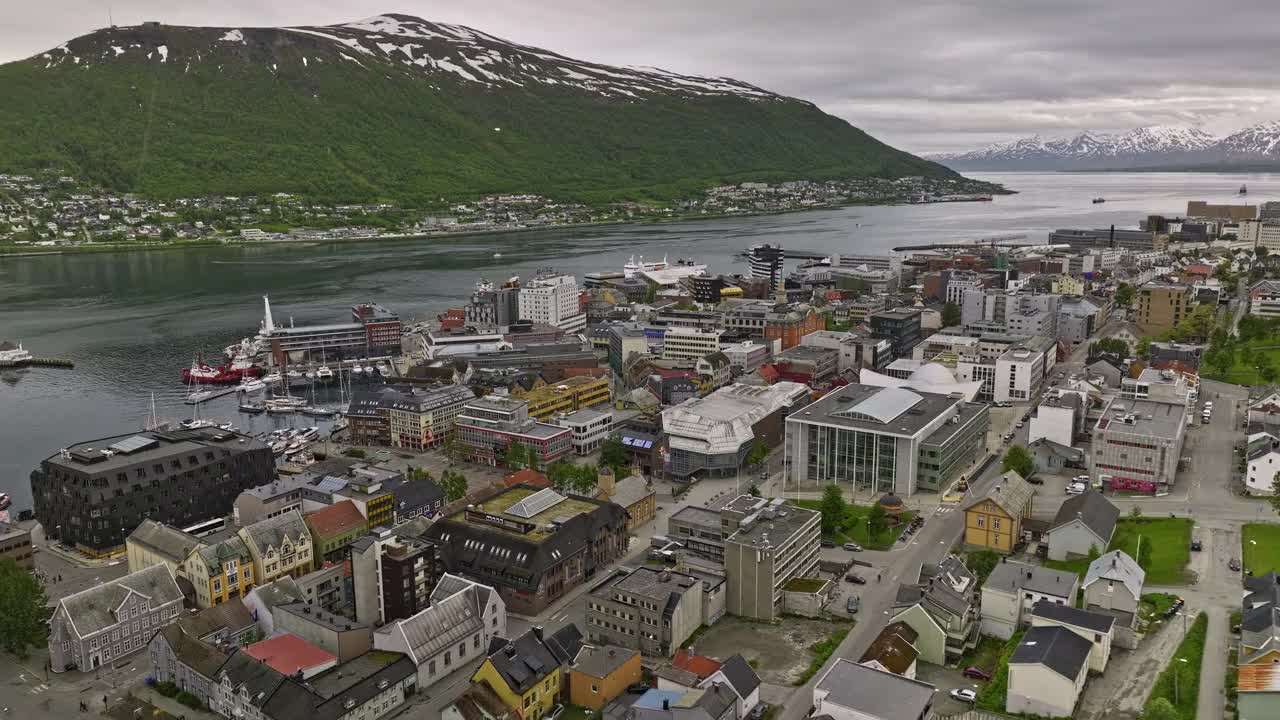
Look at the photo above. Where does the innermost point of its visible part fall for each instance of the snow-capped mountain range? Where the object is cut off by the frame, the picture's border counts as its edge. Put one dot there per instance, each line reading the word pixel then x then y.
pixel 1145 147
pixel 432 50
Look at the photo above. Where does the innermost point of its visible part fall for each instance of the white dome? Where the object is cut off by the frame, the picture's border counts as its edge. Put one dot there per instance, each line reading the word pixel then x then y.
pixel 934 374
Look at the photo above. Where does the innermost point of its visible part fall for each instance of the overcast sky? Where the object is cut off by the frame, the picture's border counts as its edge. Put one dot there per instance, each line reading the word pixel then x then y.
pixel 925 75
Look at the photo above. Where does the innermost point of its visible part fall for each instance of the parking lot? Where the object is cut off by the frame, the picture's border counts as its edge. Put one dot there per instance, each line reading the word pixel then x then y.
pixel 946 680
pixel 780 653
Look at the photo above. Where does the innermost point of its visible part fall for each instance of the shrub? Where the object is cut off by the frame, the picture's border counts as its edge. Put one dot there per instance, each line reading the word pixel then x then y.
pixel 356 453
pixel 167 689
pixel 190 700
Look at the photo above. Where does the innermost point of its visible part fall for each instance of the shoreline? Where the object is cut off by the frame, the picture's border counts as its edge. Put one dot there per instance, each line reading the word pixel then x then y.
pixel 26 252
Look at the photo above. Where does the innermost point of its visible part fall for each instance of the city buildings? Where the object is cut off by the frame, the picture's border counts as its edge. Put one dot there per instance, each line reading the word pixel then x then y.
pixel 335 527
pixel 855 691
pixel 1047 672
pixel 788 324
pixel 572 393
pixel 857 351
pixel 186 661
pixel 765 262
pixel 405 417
pixel 552 298
pixel 1113 585
pixel 885 439
pixel 808 364
pixel 279 546
pixel 488 426
pixel 98 626
pixel 1264 298
pixel 746 356
pixel 1161 306
pixel 767 544
pixel 647 609
pixel 392 576
pixel 994 518
pixel 942 607
pixel 682 343
pixel 712 435
pixel 527 672
pixel 461 620
pixel 153 543
pixel 91 495
pixel 699 531
pixel 531 545
pixel 588 427
pixel 600 674
pixel 373 331
pixel 339 636
pixel 492 307
pixel 1137 445
pixel 1083 523
pixel 900 327
pixel 1013 588
pixel 635 493
pixel 15 544
pixel 220 571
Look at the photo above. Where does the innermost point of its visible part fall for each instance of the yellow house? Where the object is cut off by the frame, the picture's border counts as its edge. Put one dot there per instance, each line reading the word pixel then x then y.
pixel 600 674
pixel 1067 285
pixel 994 519
pixel 220 572
pixel 510 672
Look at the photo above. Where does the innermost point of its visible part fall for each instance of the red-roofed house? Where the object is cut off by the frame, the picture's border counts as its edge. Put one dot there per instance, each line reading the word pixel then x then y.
pixel 700 665
pixel 335 527
pixel 769 373
pixel 525 476
pixel 288 654
pixel 1198 271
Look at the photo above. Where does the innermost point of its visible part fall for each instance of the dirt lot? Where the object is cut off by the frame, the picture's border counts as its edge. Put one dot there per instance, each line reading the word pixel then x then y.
pixel 780 653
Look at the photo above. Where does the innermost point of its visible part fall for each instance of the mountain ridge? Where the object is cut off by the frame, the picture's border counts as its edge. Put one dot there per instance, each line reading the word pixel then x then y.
pixel 1141 148
pixel 398 107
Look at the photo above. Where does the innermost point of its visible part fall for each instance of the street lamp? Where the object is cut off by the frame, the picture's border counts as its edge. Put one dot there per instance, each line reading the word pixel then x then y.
pixel 1176 673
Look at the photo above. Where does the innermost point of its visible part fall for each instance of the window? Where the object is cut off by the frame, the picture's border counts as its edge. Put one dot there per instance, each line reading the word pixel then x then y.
pixel 448 658
pixel 995 523
pixel 431 668
pixel 982 521
pixel 462 649
pixel 475 641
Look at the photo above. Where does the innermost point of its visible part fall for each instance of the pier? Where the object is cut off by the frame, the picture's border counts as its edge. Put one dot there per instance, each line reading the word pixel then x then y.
pixel 37 362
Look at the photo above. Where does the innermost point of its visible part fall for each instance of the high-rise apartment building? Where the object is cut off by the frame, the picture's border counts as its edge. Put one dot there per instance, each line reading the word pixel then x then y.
pixel 552 298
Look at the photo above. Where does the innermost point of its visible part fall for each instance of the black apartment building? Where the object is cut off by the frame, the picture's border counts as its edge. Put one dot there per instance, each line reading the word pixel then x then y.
pixel 900 327
pixel 93 494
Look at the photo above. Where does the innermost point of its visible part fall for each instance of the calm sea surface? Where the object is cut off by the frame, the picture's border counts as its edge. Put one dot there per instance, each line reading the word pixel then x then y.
pixel 132 321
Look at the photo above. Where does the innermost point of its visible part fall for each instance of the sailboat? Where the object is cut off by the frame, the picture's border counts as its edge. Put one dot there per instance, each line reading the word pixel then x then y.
pixel 283 404
pixel 194 393
pixel 315 410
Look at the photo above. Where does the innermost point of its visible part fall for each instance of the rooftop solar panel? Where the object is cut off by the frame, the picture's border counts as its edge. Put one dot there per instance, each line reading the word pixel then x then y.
pixel 134 444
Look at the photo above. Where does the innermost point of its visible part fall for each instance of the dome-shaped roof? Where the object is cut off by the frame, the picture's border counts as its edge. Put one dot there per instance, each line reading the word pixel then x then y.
pixel 933 373
pixel 890 500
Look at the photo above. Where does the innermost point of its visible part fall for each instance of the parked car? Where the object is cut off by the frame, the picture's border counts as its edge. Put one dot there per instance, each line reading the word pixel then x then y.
pixel 964 695
pixel 855 578
pixel 1234 564
pixel 976 673
pixel 638 688
pixel 1020 424
pixel 852 605
pixel 853 547
pixel 1035 480
pixel 1195 545
pixel 1076 488
pixel 827 543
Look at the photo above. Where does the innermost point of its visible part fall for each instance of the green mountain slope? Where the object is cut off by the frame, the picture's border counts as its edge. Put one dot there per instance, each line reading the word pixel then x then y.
pixel 402 109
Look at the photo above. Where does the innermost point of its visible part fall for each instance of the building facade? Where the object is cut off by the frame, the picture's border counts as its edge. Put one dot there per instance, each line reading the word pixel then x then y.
pixel 552 298
pixel 488 426
pixel 100 625
pixel 768 544
pixel 647 609
pixel 279 546
pixel 405 417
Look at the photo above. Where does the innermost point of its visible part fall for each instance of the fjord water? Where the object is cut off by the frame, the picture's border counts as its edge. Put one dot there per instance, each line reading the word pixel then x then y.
pixel 132 320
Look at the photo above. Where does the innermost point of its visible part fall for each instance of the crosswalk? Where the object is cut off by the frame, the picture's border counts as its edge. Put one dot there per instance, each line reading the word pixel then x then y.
pixel 38 689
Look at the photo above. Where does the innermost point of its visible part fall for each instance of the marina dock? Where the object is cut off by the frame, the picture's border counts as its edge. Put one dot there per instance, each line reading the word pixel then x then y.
pixel 214 393
pixel 37 362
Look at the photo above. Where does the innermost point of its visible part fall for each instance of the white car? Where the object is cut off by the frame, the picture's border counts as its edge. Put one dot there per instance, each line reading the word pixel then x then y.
pixel 1077 488
pixel 964 695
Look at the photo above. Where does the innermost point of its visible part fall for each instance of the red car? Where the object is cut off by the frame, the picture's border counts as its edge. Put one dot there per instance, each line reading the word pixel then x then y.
pixel 976 673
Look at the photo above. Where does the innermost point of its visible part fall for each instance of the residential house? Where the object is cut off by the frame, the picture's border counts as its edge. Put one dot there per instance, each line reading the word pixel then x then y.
pixel 600 673
pixel 262 599
pixel 100 625
pixel 335 527
pixel 993 520
pixel 154 543
pixel 737 674
pixel 1258 688
pixel 15 544
pixel 227 625
pixel 1097 628
pixel 1260 620
pixel 457 628
pixel 1083 522
pixel 188 662
pixel 1054 457
pixel 852 691
pixel 716 702
pixel 219 572
pixel 279 546
pixel 243 685
pixel 1263 457
pixel 942 607
pixel 635 493
pixel 1113 584
pixel 1013 588
pixel 527 672
pixel 1047 672
pixel 893 650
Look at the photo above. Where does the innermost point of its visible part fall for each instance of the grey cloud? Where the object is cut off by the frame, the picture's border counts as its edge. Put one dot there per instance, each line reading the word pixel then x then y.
pixel 925 75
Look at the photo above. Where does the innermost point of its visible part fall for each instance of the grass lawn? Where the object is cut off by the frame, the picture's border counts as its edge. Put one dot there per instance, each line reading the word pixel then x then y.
pixel 1186 675
pixel 992 695
pixel 576 712
pixel 1168 538
pixel 986 655
pixel 1260 543
pixel 1241 374
pixel 822 651
pixel 855 526
pixel 1153 605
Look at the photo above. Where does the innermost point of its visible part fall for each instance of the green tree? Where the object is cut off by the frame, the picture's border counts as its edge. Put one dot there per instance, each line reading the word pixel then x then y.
pixel 1144 348
pixel 1018 459
pixel 454 485
pixel 614 454
pixel 1109 345
pixel 754 490
pixel 877 521
pixel 356 453
pixel 452 448
pixel 585 478
pixel 22 609
pixel 834 509
pixel 516 456
pixel 650 294
pixel 1124 295
pixel 1274 499
pixel 1161 709
pixel 981 563
pixel 1266 368
pixel 1136 512
pixel 950 315
pixel 759 451
pixel 1093 553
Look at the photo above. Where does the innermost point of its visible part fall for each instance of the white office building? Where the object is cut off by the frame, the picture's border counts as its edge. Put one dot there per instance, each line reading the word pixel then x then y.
pixel 684 343
pixel 553 299
pixel 589 427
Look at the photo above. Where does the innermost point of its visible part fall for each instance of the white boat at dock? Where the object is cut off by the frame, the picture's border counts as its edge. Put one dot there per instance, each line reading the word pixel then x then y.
pixel 384 369
pixel 324 373
pixel 248 385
